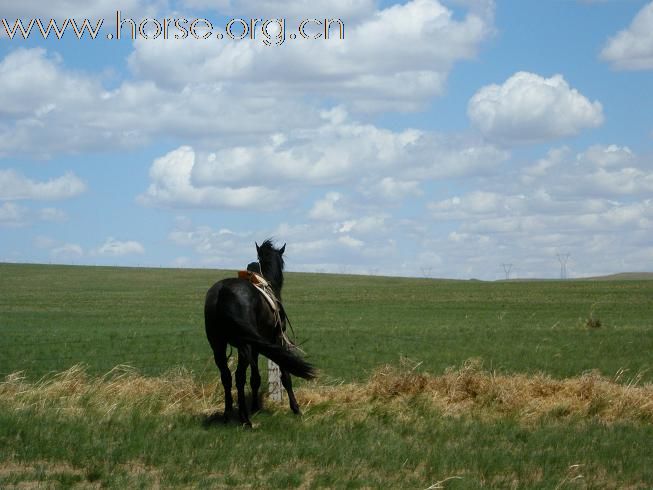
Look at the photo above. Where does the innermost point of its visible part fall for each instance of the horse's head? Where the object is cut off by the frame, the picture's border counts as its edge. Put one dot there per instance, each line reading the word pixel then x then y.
pixel 271 260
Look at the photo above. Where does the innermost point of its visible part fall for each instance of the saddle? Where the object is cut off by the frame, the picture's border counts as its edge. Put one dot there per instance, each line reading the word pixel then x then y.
pixel 263 286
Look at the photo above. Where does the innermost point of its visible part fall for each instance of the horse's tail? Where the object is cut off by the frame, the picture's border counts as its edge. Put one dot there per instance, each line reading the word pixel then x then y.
pixel 286 358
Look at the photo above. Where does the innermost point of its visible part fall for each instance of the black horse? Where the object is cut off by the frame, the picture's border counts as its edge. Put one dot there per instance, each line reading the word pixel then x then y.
pixel 236 313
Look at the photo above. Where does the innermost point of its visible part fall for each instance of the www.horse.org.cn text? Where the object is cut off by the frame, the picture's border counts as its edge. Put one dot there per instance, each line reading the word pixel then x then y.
pixel 270 31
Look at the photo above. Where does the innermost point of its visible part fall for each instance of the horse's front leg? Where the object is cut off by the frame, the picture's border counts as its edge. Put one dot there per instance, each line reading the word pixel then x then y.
pixel 287 384
pixel 244 360
pixel 255 381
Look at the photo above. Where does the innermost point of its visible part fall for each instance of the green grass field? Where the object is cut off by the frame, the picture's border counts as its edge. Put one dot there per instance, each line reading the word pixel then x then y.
pixel 70 432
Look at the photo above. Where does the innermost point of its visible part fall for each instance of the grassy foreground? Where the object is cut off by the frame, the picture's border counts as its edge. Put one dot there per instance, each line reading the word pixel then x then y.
pixel 466 428
pixel 558 394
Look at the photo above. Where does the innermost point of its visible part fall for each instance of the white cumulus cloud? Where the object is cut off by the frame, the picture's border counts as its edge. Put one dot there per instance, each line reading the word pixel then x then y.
pixel 53 214
pixel 116 248
pixel 273 172
pixel 49 110
pixel 601 171
pixel 594 204
pixel 529 108
pixel 329 208
pixel 397 57
pixel 391 188
pixel 172 186
pixel 632 48
pixel 71 8
pixel 11 214
pixel 298 9
pixel 14 185
pixel 67 251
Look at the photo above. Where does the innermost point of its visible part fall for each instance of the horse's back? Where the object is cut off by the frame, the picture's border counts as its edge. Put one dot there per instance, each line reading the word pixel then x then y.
pixel 229 302
pixel 232 289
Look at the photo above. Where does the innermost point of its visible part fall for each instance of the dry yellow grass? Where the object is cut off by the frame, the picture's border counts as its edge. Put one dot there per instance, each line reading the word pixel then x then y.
pixel 472 390
pixel 74 392
pixel 468 390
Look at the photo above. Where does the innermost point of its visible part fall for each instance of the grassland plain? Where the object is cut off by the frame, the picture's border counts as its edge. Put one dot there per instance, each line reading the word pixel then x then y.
pixel 584 418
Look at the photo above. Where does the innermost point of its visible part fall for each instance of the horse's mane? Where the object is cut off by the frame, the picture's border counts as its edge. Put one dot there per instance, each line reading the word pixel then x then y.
pixel 271 260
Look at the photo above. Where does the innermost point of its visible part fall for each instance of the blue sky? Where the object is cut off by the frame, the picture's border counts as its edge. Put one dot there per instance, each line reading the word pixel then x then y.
pixel 439 138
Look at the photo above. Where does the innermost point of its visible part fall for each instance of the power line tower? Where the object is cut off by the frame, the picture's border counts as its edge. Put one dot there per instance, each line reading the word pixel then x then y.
pixel 563 258
pixel 507 268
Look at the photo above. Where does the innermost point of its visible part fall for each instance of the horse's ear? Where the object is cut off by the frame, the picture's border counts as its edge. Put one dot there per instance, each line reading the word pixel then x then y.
pixel 257 249
pixel 282 249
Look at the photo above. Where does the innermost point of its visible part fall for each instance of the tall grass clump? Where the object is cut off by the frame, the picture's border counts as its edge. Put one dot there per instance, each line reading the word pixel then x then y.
pixel 465 390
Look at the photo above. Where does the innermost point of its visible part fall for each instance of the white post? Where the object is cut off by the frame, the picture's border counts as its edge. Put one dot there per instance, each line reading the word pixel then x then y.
pixel 274 382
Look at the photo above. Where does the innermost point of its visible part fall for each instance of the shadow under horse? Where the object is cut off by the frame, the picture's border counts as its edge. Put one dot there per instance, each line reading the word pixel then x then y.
pixel 236 313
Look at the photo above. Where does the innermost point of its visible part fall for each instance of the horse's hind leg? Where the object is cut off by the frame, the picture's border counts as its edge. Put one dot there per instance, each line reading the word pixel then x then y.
pixel 220 356
pixel 244 360
pixel 287 384
pixel 255 381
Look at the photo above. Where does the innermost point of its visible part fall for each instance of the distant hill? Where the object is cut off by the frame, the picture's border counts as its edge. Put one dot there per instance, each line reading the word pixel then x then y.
pixel 623 276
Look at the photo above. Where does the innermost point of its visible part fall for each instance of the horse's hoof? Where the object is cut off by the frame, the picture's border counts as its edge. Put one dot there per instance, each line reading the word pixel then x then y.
pixel 244 419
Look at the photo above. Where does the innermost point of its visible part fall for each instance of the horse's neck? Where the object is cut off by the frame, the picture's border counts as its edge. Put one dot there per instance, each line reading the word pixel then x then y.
pixel 277 290
pixel 275 283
